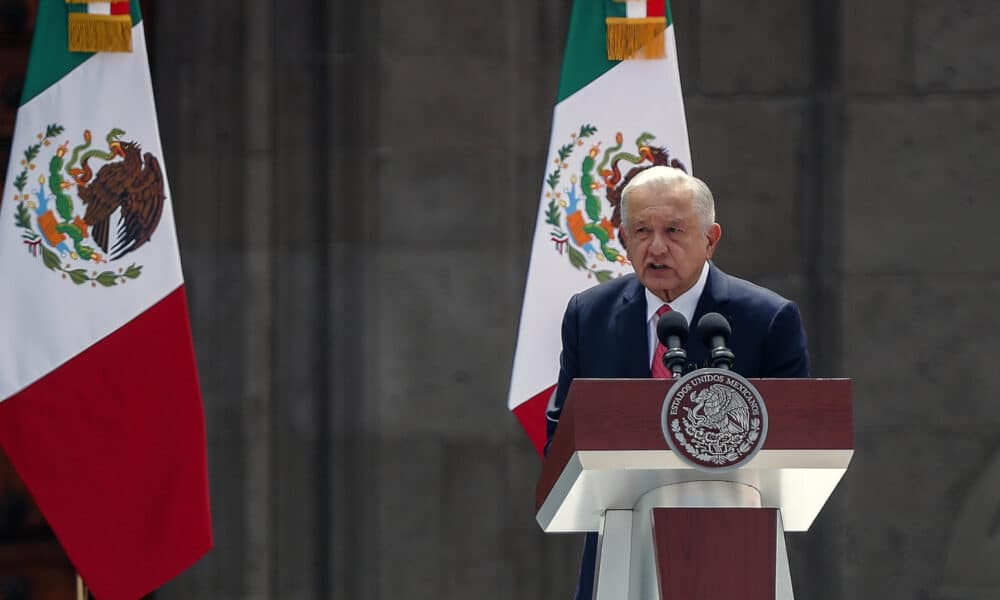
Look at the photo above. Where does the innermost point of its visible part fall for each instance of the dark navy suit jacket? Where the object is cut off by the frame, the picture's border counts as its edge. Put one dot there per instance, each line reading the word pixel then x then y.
pixel 604 335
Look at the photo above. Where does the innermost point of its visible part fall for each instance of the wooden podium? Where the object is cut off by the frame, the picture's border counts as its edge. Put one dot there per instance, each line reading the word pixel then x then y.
pixel 669 531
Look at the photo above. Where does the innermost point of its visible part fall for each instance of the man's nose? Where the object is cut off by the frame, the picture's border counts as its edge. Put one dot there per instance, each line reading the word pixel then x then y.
pixel 659 245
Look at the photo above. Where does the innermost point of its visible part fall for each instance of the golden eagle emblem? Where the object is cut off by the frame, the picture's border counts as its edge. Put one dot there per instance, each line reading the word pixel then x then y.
pixel 133 186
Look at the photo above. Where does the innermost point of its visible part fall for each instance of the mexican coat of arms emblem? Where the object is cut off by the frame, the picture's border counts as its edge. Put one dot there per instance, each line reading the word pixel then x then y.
pixel 582 197
pixel 84 207
pixel 714 419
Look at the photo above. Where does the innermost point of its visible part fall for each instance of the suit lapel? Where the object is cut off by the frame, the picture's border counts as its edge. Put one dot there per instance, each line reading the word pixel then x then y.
pixel 714 298
pixel 630 327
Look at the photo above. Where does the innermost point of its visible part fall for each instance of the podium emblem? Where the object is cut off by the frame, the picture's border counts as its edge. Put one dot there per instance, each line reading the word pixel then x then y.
pixel 714 419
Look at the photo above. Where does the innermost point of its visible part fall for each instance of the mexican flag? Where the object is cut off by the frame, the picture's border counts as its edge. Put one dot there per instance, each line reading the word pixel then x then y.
pixel 100 408
pixel 619 109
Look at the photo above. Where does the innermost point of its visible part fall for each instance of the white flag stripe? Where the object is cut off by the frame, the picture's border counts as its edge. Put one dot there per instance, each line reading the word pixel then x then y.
pixel 99 8
pixel 613 102
pixel 635 9
pixel 58 319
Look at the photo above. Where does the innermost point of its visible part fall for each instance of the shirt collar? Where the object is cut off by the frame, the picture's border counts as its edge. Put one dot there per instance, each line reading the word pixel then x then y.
pixel 685 304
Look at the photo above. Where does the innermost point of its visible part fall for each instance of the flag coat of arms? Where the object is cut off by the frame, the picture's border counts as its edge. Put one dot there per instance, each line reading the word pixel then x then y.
pixel 100 408
pixel 619 109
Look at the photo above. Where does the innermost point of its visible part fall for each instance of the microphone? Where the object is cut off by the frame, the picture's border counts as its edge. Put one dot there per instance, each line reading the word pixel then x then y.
pixel 715 331
pixel 672 331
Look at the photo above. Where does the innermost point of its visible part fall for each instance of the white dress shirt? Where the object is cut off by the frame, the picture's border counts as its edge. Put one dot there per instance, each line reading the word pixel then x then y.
pixel 685 304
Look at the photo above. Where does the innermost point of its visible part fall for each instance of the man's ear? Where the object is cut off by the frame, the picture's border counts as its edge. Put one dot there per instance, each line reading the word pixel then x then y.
pixel 714 235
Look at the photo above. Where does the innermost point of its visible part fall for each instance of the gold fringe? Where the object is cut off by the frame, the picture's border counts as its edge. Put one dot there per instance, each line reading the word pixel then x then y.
pixel 636 38
pixel 100 33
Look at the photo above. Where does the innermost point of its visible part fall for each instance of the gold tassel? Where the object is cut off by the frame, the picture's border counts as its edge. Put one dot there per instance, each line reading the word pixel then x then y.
pixel 636 38
pixel 100 33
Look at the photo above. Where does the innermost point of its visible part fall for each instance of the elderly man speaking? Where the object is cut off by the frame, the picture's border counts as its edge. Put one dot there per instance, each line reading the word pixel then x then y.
pixel 609 331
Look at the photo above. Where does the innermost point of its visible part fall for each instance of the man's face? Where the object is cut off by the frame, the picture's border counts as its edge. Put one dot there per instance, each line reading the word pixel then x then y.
pixel 665 240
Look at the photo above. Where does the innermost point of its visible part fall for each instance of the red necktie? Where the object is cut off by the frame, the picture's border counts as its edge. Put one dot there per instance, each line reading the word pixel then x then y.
pixel 658 370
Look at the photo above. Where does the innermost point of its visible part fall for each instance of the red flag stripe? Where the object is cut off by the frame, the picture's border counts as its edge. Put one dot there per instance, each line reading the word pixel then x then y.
pixel 112 447
pixel 656 8
pixel 531 414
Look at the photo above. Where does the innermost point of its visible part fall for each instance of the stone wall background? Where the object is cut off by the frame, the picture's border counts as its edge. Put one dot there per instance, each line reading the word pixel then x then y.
pixel 355 186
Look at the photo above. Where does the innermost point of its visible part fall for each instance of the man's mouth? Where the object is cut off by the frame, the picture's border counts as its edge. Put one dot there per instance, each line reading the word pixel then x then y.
pixel 658 266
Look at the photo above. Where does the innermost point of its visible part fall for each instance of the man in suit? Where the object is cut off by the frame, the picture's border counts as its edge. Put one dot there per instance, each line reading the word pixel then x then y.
pixel 609 331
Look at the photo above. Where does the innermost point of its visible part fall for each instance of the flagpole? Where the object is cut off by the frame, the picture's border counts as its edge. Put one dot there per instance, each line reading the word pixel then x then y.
pixel 81 589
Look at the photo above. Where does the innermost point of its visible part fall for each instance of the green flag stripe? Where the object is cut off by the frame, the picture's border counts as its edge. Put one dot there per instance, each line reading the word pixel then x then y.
pixel 50 60
pixel 586 56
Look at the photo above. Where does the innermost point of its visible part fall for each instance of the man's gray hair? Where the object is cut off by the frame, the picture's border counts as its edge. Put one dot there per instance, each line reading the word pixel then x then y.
pixel 665 178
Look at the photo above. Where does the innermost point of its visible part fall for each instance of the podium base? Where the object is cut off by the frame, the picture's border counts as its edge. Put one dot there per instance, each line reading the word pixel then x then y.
pixel 701 539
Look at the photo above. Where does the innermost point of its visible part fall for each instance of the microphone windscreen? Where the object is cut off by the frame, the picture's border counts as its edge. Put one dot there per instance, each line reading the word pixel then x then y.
pixel 712 325
pixel 671 323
